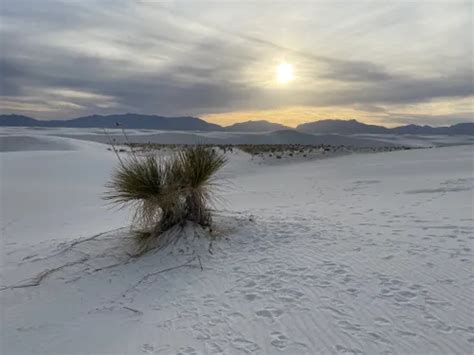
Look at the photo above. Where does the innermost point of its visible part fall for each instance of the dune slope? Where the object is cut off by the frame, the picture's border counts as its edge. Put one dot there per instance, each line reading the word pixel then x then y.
pixel 358 254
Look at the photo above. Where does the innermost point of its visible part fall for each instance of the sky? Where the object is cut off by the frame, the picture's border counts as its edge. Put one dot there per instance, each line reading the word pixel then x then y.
pixel 383 62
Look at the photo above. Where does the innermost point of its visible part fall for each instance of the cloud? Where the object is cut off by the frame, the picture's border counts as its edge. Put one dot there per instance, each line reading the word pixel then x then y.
pixel 174 60
pixel 353 71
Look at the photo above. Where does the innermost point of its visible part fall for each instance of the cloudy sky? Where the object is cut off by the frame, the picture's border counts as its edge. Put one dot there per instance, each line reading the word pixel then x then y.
pixel 387 62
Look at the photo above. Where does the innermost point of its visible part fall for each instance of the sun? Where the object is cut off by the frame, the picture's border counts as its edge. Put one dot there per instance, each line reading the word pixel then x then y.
pixel 284 73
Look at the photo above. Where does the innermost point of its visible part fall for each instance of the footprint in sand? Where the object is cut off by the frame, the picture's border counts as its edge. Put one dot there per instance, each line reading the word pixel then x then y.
pixel 279 340
pixel 381 321
pixel 269 313
pixel 245 345
pixel 147 348
pixel 343 350
pixel 213 348
pixel 187 351
pixel 251 297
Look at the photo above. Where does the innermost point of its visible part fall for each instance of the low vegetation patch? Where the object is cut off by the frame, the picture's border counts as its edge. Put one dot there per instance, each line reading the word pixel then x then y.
pixel 272 151
pixel 166 192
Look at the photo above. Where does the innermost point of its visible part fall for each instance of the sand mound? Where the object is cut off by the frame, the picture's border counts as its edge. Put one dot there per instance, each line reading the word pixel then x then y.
pixel 277 137
pixel 359 254
pixel 28 143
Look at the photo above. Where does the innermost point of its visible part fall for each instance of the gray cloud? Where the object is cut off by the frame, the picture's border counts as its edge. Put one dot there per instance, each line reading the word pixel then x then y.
pixel 179 65
pixel 355 71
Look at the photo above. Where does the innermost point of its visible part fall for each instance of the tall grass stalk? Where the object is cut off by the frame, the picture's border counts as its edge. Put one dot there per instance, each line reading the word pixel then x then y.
pixel 164 193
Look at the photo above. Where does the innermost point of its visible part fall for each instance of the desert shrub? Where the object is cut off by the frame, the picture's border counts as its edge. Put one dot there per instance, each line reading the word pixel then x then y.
pixel 164 193
pixel 195 171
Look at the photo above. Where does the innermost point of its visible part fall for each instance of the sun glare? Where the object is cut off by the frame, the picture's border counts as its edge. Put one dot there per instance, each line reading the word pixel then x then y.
pixel 284 73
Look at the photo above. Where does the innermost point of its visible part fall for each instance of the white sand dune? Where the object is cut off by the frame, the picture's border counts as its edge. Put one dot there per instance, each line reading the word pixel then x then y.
pixel 358 254
pixel 185 137
pixel 276 137
pixel 29 143
pixel 421 141
pixel 55 193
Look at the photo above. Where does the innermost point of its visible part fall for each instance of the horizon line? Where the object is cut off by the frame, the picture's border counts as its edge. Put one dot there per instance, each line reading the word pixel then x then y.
pixel 230 125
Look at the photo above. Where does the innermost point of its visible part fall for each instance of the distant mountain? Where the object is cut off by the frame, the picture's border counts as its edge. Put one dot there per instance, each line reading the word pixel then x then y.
pixel 460 128
pixel 255 126
pixel 340 127
pixel 129 120
pixel 188 123
pixel 356 127
pixel 18 121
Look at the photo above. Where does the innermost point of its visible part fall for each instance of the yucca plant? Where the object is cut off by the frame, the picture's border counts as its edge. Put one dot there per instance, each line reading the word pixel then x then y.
pixel 166 192
pixel 197 168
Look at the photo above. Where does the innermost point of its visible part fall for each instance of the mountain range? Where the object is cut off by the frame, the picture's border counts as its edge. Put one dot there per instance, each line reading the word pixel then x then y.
pixel 128 120
pixel 356 127
pixel 189 123
pixel 255 126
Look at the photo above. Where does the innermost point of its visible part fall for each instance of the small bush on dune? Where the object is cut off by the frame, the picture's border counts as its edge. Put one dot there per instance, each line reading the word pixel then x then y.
pixel 164 193
pixel 196 168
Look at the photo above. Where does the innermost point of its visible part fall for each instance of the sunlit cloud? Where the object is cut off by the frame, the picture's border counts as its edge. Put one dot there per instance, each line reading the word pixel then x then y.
pixel 41 107
pixel 76 94
pixel 377 62
pixel 442 112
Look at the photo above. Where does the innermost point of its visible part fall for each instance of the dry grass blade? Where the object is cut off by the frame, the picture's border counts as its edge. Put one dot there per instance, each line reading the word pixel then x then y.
pixel 135 180
pixel 198 166
pixel 165 193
